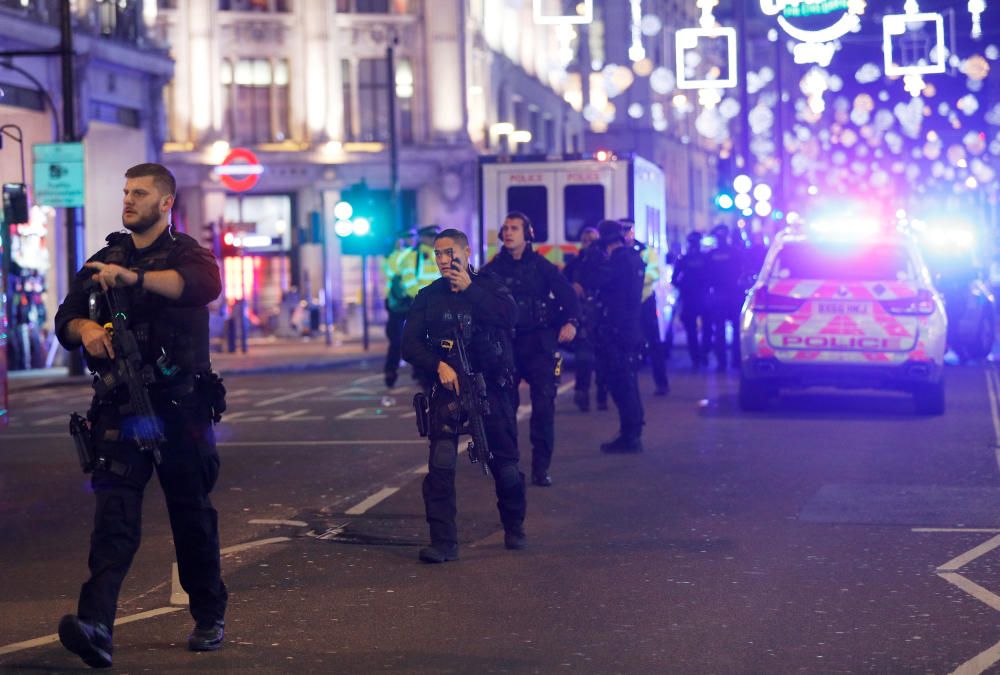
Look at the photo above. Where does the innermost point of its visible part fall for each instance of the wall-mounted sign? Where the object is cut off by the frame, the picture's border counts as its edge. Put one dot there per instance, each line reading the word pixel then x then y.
pixel 240 170
pixel 816 21
pixel 59 176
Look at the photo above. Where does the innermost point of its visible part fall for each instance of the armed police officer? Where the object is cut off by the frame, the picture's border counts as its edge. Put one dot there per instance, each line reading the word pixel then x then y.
pixel 548 315
pixel 615 280
pixel 583 346
pixel 726 295
pixel 691 280
pixel 649 321
pixel 159 282
pixel 397 304
pixel 478 309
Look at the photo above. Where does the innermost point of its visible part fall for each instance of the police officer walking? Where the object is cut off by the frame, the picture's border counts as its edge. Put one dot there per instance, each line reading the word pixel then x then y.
pixel 616 284
pixel 397 304
pixel 417 270
pixel 548 315
pixel 726 294
pixel 691 280
pixel 167 280
pixel 649 322
pixel 462 300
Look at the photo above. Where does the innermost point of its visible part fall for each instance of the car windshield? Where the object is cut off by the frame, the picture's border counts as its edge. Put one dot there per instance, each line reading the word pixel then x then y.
pixel 803 260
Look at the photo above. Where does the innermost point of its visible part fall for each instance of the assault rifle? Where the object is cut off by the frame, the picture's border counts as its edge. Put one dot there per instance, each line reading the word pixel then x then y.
pixel 127 370
pixel 473 399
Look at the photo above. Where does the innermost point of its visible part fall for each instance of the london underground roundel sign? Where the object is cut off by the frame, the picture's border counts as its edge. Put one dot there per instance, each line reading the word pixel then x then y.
pixel 240 170
pixel 816 21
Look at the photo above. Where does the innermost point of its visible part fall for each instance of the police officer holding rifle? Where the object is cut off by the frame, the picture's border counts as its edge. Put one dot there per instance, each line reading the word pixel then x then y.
pixel 139 310
pixel 460 329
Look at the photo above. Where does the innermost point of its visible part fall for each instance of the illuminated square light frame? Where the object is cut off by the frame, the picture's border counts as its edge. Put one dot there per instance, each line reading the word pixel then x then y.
pixel 562 19
pixel 687 38
pixel 894 25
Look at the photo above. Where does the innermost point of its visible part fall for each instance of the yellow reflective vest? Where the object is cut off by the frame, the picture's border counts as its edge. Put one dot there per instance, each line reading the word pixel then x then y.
pixel 418 269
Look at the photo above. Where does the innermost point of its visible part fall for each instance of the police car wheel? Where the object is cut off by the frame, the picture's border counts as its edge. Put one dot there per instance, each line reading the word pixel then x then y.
pixel 929 398
pixel 754 395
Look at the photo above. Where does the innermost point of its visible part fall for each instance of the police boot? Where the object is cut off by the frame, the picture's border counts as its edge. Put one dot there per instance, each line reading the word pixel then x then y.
pixel 514 539
pixel 581 397
pixel 390 378
pixel 90 641
pixel 439 553
pixel 207 637
pixel 622 445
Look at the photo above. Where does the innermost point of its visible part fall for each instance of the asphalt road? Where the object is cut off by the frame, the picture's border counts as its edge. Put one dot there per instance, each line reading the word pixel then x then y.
pixel 838 532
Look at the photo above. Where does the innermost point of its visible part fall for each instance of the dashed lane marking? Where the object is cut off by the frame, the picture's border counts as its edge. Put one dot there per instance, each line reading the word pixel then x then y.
pixel 289 397
pixel 369 502
pixel 276 521
pixel 408 441
pixel 50 639
pixel 954 529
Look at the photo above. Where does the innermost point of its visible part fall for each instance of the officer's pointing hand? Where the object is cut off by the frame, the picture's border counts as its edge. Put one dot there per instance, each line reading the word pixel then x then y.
pixel 96 341
pixel 448 376
pixel 567 333
pixel 112 276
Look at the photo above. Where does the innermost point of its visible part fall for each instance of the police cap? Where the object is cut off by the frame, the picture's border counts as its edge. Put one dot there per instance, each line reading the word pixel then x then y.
pixel 428 230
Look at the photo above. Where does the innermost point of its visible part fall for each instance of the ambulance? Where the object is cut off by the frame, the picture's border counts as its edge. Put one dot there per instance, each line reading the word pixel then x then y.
pixel 844 304
pixel 564 196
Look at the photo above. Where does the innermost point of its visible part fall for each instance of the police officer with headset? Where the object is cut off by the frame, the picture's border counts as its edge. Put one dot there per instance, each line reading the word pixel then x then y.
pixel 548 315
pixel 166 280
pixel 462 300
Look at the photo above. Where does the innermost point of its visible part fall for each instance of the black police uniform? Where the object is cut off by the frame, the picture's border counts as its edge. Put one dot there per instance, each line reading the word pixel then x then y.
pixel 545 302
pixel 649 323
pixel 436 314
pixel 691 279
pixel 725 299
pixel 176 333
pixel 616 283
pixel 584 346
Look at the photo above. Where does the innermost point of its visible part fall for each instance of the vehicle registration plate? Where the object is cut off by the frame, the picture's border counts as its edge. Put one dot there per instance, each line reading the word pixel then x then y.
pixel 843 308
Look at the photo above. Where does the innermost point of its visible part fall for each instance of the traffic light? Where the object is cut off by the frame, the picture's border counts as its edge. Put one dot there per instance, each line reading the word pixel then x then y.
pixel 364 221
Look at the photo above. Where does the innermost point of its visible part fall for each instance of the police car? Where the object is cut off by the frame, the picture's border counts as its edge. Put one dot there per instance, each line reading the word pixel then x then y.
pixel 843 304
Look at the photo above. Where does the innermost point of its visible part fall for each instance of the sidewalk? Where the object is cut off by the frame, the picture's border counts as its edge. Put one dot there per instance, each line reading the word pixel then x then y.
pixel 264 355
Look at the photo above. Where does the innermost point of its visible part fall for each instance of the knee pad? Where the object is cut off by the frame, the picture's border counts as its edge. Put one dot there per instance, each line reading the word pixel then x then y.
pixel 444 454
pixel 508 476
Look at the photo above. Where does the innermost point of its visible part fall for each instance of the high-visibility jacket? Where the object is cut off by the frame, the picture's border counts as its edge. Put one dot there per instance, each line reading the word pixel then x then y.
pixel 651 259
pixel 418 269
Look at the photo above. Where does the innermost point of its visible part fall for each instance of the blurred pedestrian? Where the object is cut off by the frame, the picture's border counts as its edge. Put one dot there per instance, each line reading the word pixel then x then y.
pixel 584 346
pixel 726 295
pixel 649 320
pixel 691 280
pixel 397 303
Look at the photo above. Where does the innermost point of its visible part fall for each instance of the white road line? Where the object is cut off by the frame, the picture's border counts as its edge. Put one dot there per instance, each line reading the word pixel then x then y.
pixel 253 544
pixel 371 501
pixel 955 529
pixel 979 663
pixel 275 521
pixel 50 639
pixel 970 555
pixel 30 437
pixel 972 588
pixel 993 387
pixel 233 444
pixel 358 414
pixel 289 397
pixel 297 416
pixel 54 419
pixel 177 594
pixel 421 470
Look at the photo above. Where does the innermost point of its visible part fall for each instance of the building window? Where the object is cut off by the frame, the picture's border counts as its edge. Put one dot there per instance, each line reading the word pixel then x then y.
pixel 373 104
pixel 254 5
pixel 347 99
pixel 374 6
pixel 584 205
pixel 533 201
pixel 118 19
pixel 257 100
pixel 366 90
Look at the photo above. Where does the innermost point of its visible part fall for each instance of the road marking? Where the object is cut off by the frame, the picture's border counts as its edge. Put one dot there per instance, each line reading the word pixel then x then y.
pixel 30 437
pixel 955 529
pixel 50 639
pixel 408 441
pixel 371 501
pixel 274 521
pixel 972 588
pixel 359 414
pixel 46 421
pixel 970 555
pixel 297 416
pixel 979 663
pixel 289 397
pixel 993 387
pixel 178 596
pixel 253 544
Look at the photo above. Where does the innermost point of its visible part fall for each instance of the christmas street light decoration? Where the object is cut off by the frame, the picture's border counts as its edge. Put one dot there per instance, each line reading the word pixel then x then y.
pixel 896 25
pixel 584 15
pixel 816 43
pixel 687 44
pixel 976 9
